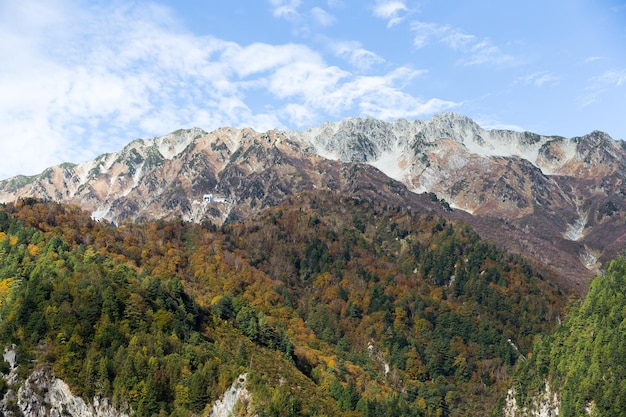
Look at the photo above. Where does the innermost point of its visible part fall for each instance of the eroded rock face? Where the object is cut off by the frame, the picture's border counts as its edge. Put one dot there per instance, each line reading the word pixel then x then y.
pixel 544 405
pixel 236 393
pixel 43 395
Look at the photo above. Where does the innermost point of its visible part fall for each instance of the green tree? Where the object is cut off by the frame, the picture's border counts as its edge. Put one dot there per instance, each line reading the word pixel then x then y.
pixel 247 322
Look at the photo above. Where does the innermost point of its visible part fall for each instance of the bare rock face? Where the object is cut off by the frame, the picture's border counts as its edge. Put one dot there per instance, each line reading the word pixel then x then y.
pixel 545 404
pixel 559 201
pixel 43 395
pixel 237 393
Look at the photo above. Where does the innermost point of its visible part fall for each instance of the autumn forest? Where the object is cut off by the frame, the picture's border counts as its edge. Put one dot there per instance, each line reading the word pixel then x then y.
pixel 331 305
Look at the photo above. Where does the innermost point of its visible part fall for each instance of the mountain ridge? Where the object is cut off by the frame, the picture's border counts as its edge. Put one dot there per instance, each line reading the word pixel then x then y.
pixel 546 190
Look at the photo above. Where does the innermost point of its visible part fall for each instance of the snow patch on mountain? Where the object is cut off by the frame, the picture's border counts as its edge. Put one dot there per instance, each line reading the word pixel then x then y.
pixel 576 230
pixel 501 143
pixel 589 259
pixel 392 163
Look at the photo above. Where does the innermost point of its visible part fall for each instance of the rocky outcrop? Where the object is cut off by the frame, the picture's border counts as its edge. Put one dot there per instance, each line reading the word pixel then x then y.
pixel 546 404
pixel 236 393
pixel 43 395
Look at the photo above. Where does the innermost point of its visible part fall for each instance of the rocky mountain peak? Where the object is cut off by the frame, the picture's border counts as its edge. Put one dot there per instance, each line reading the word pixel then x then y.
pixel 453 122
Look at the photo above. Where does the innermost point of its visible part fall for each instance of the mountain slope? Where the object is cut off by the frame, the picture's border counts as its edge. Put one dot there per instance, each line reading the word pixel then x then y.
pixel 581 364
pixel 331 305
pixel 559 201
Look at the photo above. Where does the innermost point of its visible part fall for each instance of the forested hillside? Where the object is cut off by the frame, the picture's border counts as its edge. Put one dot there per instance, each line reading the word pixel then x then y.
pixel 331 305
pixel 584 361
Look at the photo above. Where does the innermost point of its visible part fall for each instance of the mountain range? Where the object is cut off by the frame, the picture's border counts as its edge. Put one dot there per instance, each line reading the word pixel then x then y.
pixel 559 201
pixel 354 268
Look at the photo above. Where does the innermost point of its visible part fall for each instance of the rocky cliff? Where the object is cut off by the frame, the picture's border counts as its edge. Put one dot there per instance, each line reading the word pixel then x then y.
pixel 43 395
pixel 546 404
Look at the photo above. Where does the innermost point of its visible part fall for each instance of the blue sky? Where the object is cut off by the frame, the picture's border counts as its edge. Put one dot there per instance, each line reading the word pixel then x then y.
pixel 79 78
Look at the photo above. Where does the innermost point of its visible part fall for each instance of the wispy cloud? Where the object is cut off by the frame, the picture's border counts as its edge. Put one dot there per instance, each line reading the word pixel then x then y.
pixel 85 81
pixel 426 33
pixel 489 123
pixel 594 59
pixel 303 23
pixel 322 17
pixel 287 9
pixel 391 10
pixel 614 78
pixel 474 50
pixel 353 52
pixel 600 85
pixel 538 79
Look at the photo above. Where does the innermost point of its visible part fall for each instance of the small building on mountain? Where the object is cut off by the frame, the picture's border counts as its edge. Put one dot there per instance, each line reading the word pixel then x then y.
pixel 210 198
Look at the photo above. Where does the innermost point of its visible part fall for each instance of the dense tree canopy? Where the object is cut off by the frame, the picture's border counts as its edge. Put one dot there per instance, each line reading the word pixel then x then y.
pixel 332 305
pixel 585 358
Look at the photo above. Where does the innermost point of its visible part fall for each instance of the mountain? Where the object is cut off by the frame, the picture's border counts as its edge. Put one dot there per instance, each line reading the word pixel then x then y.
pixel 169 177
pixel 356 268
pixel 559 201
pixel 323 305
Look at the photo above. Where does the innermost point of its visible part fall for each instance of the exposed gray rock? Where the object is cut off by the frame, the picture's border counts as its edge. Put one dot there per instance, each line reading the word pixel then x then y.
pixel 43 395
pixel 545 404
pixel 10 357
pixel 225 406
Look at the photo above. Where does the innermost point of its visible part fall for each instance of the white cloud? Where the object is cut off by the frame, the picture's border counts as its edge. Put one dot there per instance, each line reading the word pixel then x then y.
pixel 286 9
pixel 353 52
pixel 614 78
pixel 305 80
pixel 425 32
pixel 488 122
pixel 474 50
pixel 594 59
pixel 81 82
pixel 484 53
pixel 381 99
pixel 322 17
pixel 300 114
pixel 260 57
pixel 456 39
pixel 538 79
pixel 390 10
pixel 602 85
pixel 377 96
pixel 302 21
